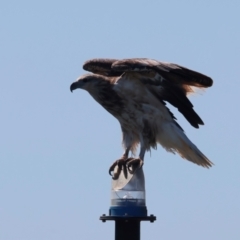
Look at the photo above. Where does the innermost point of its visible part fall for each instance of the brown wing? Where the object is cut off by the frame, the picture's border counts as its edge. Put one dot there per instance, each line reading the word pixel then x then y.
pixel 169 71
pixel 102 66
pixel 167 81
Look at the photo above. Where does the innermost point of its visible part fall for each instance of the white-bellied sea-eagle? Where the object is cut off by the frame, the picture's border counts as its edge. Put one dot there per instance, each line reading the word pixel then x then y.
pixel 135 91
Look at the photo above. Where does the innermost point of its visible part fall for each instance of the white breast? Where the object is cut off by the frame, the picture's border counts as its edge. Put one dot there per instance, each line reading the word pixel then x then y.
pixel 139 100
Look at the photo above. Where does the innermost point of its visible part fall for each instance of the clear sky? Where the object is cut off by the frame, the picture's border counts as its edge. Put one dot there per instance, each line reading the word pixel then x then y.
pixel 57 146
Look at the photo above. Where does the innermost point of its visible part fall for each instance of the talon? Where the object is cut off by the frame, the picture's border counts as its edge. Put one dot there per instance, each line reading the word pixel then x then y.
pixel 125 171
pixel 133 164
pixel 121 165
pixel 116 174
pixel 111 169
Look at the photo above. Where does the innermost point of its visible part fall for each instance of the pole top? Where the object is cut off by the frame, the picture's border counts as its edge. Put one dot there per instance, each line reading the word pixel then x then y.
pixel 128 195
pixel 150 218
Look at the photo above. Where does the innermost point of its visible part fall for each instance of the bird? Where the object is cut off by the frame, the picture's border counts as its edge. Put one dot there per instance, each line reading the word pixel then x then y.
pixel 135 91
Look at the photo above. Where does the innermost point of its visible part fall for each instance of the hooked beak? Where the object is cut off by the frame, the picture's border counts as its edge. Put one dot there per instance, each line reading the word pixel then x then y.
pixel 73 86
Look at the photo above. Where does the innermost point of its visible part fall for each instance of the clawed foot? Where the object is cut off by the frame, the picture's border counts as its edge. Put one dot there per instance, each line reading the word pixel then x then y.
pixel 126 165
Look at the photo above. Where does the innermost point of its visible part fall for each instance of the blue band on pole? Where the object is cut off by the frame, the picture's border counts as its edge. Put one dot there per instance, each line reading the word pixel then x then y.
pixel 136 211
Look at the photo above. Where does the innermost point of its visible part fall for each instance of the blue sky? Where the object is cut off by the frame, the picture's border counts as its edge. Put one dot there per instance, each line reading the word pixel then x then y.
pixel 56 147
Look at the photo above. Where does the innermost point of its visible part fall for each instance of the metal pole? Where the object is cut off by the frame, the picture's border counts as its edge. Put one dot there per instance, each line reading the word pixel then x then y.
pixel 127 230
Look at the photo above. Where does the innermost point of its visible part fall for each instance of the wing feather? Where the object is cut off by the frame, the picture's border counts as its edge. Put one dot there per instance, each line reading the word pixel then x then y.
pixel 169 71
pixel 176 96
pixel 102 66
pixel 167 81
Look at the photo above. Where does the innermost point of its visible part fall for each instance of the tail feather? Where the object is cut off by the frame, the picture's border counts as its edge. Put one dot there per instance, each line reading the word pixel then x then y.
pixel 174 140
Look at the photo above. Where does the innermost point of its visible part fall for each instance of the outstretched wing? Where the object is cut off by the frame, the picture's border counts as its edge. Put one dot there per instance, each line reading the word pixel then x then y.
pixel 169 71
pixel 167 81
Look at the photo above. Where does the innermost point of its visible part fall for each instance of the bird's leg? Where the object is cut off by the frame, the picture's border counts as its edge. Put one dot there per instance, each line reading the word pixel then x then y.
pixel 134 163
pixel 121 165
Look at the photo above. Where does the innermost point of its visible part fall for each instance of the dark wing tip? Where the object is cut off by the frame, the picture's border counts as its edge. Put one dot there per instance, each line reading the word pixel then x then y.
pixel 208 82
pixel 192 77
pixel 201 81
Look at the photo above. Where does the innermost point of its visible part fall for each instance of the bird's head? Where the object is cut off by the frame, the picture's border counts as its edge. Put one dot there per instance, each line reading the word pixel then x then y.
pixel 86 82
